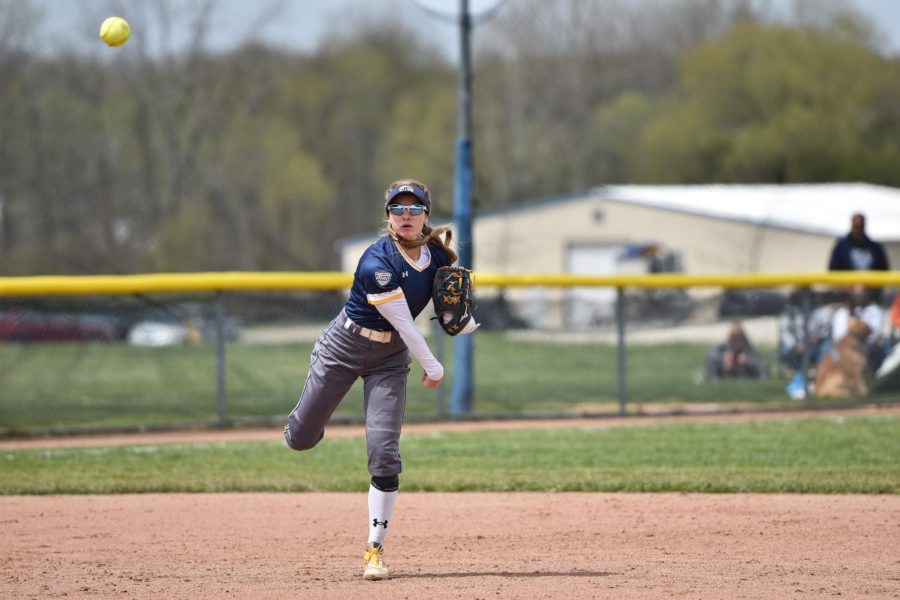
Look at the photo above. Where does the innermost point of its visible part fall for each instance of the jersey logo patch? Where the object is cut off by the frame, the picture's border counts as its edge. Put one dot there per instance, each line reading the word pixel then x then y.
pixel 382 278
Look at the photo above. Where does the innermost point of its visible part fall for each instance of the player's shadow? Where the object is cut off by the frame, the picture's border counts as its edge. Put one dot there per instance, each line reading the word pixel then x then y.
pixel 505 574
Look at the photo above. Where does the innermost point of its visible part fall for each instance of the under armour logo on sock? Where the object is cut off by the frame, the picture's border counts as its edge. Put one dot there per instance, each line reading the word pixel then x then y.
pixel 376 523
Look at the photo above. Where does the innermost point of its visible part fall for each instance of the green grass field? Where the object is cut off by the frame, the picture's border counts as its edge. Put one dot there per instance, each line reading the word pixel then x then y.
pixel 812 455
pixel 89 385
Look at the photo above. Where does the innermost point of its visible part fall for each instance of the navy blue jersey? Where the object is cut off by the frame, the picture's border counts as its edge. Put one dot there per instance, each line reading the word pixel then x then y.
pixel 384 274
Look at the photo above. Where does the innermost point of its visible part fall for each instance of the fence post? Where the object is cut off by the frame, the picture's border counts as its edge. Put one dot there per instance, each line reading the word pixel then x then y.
pixel 621 362
pixel 807 350
pixel 220 358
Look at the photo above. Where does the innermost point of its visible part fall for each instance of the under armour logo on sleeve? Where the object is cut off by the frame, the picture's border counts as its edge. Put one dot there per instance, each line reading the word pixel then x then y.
pixel 376 523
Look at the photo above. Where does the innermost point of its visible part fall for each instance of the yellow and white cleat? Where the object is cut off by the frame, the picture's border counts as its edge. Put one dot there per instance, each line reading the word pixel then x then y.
pixel 375 569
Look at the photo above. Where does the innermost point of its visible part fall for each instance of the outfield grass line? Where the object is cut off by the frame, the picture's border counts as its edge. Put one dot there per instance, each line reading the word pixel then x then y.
pixel 844 453
pixel 200 436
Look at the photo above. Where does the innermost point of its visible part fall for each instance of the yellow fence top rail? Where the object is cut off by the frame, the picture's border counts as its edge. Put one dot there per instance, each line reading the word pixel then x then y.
pixel 681 280
pixel 85 285
pixel 170 282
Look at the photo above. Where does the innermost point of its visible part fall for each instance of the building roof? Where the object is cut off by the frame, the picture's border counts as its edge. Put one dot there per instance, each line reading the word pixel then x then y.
pixel 816 208
pixel 823 208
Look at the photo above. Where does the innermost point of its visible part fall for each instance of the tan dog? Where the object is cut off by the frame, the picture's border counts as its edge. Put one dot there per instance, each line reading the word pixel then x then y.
pixel 842 372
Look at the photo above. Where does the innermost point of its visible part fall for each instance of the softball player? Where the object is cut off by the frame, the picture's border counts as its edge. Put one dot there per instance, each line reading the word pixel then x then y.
pixel 372 338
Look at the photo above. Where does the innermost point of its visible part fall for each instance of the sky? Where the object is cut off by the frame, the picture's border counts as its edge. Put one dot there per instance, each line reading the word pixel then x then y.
pixel 303 24
pixel 300 25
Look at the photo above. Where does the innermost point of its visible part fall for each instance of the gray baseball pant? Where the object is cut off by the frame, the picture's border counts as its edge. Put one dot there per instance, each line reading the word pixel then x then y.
pixel 339 357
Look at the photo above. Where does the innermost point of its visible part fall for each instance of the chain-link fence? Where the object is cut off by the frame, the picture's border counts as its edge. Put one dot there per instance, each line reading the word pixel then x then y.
pixel 241 357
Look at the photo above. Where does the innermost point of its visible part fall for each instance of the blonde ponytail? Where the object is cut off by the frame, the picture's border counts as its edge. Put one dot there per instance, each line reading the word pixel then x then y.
pixel 430 236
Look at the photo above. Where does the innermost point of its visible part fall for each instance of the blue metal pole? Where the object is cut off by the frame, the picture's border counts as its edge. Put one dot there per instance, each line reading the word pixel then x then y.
pixel 463 346
pixel 461 395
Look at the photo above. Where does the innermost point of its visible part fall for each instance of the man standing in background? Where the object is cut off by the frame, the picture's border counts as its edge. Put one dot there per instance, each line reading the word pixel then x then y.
pixel 857 252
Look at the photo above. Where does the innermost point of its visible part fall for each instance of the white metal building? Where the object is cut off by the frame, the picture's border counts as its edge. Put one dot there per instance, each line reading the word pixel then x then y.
pixel 710 228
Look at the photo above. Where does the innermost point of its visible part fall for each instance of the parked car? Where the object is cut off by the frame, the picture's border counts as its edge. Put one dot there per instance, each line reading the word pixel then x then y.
pixel 752 303
pixel 155 333
pixel 28 326
pixel 172 333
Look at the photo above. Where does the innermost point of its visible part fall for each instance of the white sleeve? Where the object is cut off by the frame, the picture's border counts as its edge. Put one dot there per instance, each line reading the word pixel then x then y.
pixel 396 311
pixel 839 323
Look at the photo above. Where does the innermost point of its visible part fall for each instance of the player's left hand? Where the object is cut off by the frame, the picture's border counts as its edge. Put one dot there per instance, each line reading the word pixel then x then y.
pixel 451 296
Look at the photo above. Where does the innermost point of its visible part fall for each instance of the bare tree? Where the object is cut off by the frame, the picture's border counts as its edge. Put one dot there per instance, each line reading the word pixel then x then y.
pixel 17 20
pixel 548 66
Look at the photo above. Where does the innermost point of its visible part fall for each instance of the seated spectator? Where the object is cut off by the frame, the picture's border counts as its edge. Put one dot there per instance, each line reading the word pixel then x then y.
pixel 798 347
pixel 860 303
pixel 796 344
pixel 735 358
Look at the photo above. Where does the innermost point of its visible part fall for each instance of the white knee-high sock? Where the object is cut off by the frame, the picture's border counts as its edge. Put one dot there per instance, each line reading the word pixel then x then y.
pixel 381 507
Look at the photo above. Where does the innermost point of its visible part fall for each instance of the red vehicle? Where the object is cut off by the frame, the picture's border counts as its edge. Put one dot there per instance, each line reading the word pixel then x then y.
pixel 38 327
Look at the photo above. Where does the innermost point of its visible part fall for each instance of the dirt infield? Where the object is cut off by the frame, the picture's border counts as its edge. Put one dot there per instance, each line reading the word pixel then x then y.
pixel 518 545
pixel 482 545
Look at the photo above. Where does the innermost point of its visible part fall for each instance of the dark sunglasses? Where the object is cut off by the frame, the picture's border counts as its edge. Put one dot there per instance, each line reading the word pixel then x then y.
pixel 414 211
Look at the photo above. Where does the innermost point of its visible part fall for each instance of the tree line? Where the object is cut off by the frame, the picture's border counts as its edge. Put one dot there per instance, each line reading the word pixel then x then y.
pixel 260 158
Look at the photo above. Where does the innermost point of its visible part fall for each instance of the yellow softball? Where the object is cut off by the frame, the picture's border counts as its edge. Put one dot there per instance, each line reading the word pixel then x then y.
pixel 115 31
